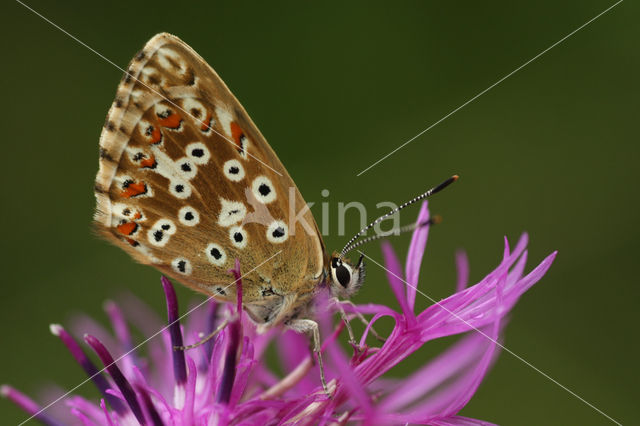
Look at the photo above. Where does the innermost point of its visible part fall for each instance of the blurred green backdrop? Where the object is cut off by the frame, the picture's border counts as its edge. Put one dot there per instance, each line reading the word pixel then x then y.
pixel 335 86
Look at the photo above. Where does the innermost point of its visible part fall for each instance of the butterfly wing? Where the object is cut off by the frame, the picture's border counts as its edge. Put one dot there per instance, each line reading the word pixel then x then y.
pixel 188 183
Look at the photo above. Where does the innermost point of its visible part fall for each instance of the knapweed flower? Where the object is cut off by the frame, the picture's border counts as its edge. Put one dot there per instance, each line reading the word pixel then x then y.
pixel 227 380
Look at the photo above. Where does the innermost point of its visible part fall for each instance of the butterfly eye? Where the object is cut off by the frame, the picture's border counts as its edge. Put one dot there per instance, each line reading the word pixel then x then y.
pixel 341 272
pixel 346 279
pixel 343 275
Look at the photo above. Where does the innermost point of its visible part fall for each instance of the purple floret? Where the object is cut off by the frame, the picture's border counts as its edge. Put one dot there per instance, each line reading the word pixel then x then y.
pixel 227 380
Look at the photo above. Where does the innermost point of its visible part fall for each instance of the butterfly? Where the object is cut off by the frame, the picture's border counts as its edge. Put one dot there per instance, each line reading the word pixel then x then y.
pixel 188 184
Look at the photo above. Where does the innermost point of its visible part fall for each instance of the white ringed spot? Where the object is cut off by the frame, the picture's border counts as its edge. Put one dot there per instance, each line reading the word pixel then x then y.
pixel 187 168
pixel 231 212
pixel 203 118
pixel 198 153
pixel 263 189
pixel 160 232
pixel 233 170
pixel 188 216
pixel 277 232
pixel 180 189
pixel 216 254
pixel 182 266
pixel 238 237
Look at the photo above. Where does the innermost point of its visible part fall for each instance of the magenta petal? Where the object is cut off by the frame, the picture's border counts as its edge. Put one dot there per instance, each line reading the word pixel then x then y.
pixel 244 368
pixel 293 348
pixel 437 372
pixel 123 384
pixel 27 405
pixel 354 389
pixel 173 323
pixel 119 324
pixel 107 415
pixel 190 391
pixel 394 275
pixel 229 381
pixel 233 338
pixel 149 409
pixel 460 421
pixel 462 267
pixel 88 366
pixel 416 252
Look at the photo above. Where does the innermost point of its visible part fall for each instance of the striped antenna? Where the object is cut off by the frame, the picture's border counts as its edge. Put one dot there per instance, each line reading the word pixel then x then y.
pixel 407 228
pixel 422 196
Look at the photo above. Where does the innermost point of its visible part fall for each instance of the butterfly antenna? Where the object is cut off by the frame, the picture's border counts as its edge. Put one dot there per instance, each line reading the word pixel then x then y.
pixel 422 196
pixel 394 232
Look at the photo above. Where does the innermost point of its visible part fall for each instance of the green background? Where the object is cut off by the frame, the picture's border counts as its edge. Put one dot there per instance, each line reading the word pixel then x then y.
pixel 334 87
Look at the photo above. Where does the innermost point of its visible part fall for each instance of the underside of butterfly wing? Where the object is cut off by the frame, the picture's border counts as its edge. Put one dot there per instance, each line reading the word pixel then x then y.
pixel 188 184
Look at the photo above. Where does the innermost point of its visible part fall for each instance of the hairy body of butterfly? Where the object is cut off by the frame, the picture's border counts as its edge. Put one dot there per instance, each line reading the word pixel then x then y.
pixel 188 184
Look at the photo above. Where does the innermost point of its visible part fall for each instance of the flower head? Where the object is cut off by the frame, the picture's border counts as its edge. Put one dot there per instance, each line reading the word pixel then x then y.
pixel 227 380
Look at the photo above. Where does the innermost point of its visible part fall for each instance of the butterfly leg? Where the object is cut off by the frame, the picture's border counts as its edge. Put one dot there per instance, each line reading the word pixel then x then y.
pixel 343 314
pixel 206 338
pixel 347 323
pixel 311 328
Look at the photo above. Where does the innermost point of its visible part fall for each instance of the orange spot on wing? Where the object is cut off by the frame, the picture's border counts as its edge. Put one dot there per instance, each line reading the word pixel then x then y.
pixel 156 136
pixel 236 135
pixel 137 216
pixel 133 242
pixel 172 121
pixel 127 228
pixel 149 162
pixel 206 123
pixel 134 189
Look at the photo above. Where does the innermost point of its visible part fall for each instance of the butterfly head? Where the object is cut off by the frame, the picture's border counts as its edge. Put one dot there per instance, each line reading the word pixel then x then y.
pixel 346 279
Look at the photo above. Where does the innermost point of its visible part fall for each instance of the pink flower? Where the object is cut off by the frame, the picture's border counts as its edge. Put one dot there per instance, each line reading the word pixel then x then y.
pixel 227 381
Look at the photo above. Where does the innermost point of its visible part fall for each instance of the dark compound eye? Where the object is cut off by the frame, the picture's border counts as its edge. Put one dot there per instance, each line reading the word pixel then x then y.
pixel 343 275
